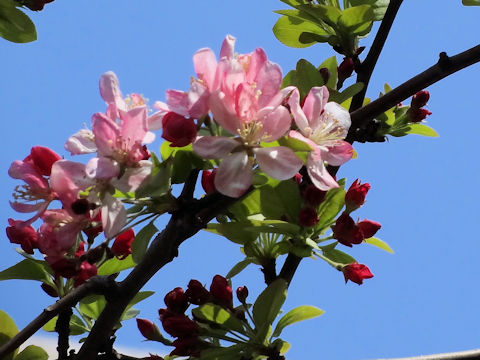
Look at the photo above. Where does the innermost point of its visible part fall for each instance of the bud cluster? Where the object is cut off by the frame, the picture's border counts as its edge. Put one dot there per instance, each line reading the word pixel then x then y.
pixel 417 112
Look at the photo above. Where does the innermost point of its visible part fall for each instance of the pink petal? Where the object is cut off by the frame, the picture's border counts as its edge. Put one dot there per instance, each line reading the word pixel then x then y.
pixel 114 216
pixel 106 134
pixel 110 90
pixel 177 101
pixel 314 105
pixel 275 123
pixel 214 147
pixel 246 103
pixel 228 46
pixel 297 112
pixel 268 80
pixel 133 177
pixel 257 59
pixel 280 96
pixel 102 168
pixel 134 125
pixel 82 142
pixel 341 115
pixel 26 208
pixel 25 171
pixel 337 153
pixel 154 121
pixel 224 112
pixel 230 74
pixel 234 175
pixel 278 162
pixel 67 179
pixel 205 65
pixel 318 173
pixel 296 135
pixel 198 96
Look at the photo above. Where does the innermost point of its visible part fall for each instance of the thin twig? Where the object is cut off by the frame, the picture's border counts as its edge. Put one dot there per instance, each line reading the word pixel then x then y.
pixel 444 67
pixel 365 70
pixel 95 285
pixel 460 355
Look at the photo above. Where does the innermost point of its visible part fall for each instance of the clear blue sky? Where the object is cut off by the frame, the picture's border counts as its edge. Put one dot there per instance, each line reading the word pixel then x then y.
pixel 423 299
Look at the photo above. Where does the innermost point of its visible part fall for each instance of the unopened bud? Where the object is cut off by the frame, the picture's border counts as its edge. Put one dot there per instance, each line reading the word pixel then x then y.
pixel 325 73
pixel 148 329
pixel 242 294
pixel 420 99
pixel 307 217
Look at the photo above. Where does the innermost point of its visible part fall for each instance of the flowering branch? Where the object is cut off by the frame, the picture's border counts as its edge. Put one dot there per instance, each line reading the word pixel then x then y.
pixel 96 285
pixel 365 69
pixel 445 66
pixel 460 355
pixel 184 223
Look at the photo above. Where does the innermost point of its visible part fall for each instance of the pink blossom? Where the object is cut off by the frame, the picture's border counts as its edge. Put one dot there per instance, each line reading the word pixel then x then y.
pixel 248 104
pixel 323 125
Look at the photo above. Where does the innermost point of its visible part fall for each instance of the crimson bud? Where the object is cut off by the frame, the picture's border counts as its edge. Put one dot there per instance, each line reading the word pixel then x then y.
pixel 25 236
pixel 221 291
pixel 369 228
pixel 176 300
pixel 148 329
pixel 355 196
pixel 346 231
pixel 417 115
pixel 180 326
pixel 87 270
pixel 208 178
pixel 43 158
pixel 242 293
pixel 122 246
pixel 307 217
pixel 357 273
pixel 420 99
pixel 196 293
pixel 179 130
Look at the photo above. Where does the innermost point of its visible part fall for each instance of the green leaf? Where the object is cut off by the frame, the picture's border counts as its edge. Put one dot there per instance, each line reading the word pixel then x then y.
pixel 142 295
pixel 307 77
pixel 218 315
pixel 421 129
pixel 289 79
pixel 159 183
pixel 77 326
pixel 32 352
pixel 28 269
pixel 338 256
pixel 114 265
pixel 332 66
pixel 294 144
pixel 233 352
pixel 234 231
pixel 379 7
pixel 8 330
pixel 471 2
pixel 349 92
pixel 92 306
pixel 140 243
pixel 357 20
pixel 288 30
pixel 330 207
pixel 325 13
pixel 300 313
pixel 379 243
pixel 15 26
pixel 281 200
pixel 267 306
pixel 274 227
pixel 238 267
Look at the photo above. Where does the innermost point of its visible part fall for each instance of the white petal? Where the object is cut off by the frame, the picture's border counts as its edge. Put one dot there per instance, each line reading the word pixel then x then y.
pixel 278 162
pixel 234 176
pixel 214 147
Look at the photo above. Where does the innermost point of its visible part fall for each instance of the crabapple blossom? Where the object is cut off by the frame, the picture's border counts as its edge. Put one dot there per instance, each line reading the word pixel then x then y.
pixel 248 104
pixel 322 125
pixel 357 273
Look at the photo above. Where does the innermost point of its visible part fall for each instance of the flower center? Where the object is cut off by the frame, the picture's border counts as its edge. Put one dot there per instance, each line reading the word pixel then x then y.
pixel 328 130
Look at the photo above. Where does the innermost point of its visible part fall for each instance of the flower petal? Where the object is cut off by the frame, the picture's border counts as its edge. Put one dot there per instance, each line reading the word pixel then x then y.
pixel 341 115
pixel 106 133
pixel 177 101
pixel 214 147
pixel 234 175
pixel 110 90
pixel 114 216
pixel 337 153
pixel 205 65
pixel 314 104
pixel 67 179
pixel 102 168
pixel 82 142
pixel 297 112
pixel 224 112
pixel 133 177
pixel 278 162
pixel 275 123
pixel 228 46
pixel 318 173
pixel 134 126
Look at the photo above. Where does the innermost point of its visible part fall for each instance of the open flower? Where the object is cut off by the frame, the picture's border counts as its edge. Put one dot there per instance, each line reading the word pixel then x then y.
pixel 323 125
pixel 248 104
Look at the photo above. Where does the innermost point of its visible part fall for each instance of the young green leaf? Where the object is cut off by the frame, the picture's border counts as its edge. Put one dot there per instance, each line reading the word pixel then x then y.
pixel 357 20
pixel 218 315
pixel 332 66
pixel 379 243
pixel 300 313
pixel 307 76
pixel 421 129
pixel 288 30
pixel 268 305
pixel 338 256
pixel 32 352
pixel 15 26
pixel 330 207
pixel 28 269
pixel 471 2
pixel 8 329
pixel 140 243
pixel 114 265
pixel 238 267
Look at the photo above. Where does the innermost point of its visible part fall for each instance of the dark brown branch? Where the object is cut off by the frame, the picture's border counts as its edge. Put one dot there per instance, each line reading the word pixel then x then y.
pixel 289 267
pixel 443 68
pixel 183 224
pixel 62 327
pixel 269 270
pixel 461 355
pixel 365 70
pixel 95 285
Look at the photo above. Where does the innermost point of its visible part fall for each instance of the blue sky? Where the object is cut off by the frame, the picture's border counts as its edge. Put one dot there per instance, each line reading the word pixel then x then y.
pixel 423 299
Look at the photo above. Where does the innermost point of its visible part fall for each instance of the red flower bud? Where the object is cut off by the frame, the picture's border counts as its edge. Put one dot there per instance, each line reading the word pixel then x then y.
pixel 148 329
pixel 355 196
pixel 36 5
pixel 87 270
pixel 325 73
pixel 180 326
pixel 196 293
pixel 417 115
pixel 369 228
pixel 345 70
pixel 221 291
pixel 43 158
pixel 298 178
pixel 357 273
pixel 208 178
pixel 420 99
pixel 25 236
pixel 122 246
pixel 242 293
pixel 313 196
pixel 307 217
pixel 176 300
pixel 179 130
pixel 187 346
pixel 346 231
pixel 49 290
pixel 66 268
